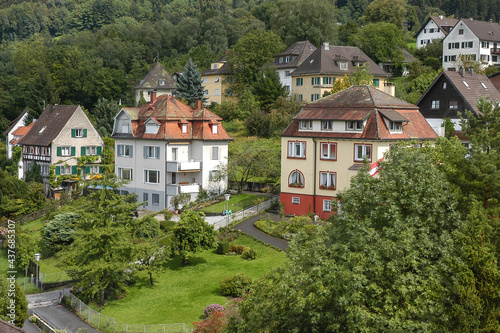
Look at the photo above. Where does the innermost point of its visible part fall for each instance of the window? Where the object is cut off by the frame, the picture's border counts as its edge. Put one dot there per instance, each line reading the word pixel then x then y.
pixel 315 80
pixel 306 124
pixel 216 93
pixel 184 128
pixel 296 179
pixel 328 151
pixel 396 126
pixel 453 45
pixel 327 205
pixel 174 154
pixel 124 150
pixel 431 30
pixel 145 199
pixel 151 128
pixel 66 170
pixel 467 45
pixel 485 57
pixel 326 125
pixel 152 152
pixel 494 58
pixel 152 176
pixel 215 153
pixel 435 105
pixel 296 149
pixel 78 132
pixel 90 150
pixel 205 92
pixel 362 151
pixel 483 85
pixel 327 80
pixel 124 173
pixel 452 104
pixel 300 97
pixel 376 82
pixel 460 31
pixel 485 45
pixel 216 79
pixel 343 65
pixel 354 125
pixel 215 66
pixel 288 58
pixel 327 180
pixel 296 200
pixel 444 85
pixel 299 82
pixel 314 97
pixel 155 199
pixel 214 128
pixel 466 84
pixel 161 82
pixel 287 73
pixel 65 151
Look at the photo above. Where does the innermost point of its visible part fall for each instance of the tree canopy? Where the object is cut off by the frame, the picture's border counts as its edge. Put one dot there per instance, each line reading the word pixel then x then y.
pixel 189 85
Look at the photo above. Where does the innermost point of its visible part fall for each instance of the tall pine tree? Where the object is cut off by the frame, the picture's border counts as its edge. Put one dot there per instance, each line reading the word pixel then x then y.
pixel 189 85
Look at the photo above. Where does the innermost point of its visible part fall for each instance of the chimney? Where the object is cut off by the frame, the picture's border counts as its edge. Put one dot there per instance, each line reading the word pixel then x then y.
pixel 441 17
pixel 152 96
pixel 197 105
pixel 326 45
pixel 461 71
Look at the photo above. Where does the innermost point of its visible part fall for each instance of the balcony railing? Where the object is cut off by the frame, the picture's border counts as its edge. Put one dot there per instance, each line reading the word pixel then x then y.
pixel 174 189
pixel 495 50
pixel 186 166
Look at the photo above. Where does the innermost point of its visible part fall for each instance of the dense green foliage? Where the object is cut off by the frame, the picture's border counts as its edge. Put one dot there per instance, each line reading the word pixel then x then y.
pixel 60 231
pixel 189 85
pixel 14 298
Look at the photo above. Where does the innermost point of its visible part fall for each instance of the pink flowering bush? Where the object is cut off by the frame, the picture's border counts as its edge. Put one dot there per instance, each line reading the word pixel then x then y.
pixel 209 309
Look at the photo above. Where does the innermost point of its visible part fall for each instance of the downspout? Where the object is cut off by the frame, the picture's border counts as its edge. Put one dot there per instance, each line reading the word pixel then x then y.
pixel 314 177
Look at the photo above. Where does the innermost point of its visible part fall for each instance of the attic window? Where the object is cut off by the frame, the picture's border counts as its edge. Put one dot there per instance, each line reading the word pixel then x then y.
pixel 444 85
pixel 490 33
pixel 214 128
pixel 466 84
pixel 41 130
pixel 161 82
pixel 184 128
pixel 215 66
pixel 396 126
pixel 484 86
pixel 151 127
pixel 311 61
pixel 343 66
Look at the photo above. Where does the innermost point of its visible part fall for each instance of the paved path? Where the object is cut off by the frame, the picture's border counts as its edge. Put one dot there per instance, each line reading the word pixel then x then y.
pixel 46 306
pixel 248 227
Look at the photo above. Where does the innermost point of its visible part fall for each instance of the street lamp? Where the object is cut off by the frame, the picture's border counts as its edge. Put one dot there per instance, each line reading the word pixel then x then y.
pixel 37 257
pixel 226 196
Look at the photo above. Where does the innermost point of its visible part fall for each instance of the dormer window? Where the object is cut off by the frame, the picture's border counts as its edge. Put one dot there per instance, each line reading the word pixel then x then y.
pixel 161 82
pixel 326 125
pixel 184 128
pixel 215 66
pixel 214 128
pixel 343 65
pixel 152 126
pixel 396 126
pixel 305 124
pixel 354 125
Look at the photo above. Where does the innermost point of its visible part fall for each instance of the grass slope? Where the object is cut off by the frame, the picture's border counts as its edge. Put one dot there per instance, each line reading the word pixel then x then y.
pixel 181 293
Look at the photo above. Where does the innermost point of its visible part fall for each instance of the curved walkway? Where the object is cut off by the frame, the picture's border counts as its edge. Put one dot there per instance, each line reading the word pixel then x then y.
pixel 248 227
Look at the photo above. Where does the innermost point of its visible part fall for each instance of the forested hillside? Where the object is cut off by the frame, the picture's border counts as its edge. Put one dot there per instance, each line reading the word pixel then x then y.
pixel 77 51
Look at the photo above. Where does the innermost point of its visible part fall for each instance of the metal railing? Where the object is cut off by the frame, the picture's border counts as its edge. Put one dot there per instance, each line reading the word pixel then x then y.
pixel 109 325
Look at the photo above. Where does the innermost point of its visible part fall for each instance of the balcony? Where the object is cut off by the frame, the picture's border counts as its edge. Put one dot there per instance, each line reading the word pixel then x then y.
pixel 495 50
pixel 186 166
pixel 174 189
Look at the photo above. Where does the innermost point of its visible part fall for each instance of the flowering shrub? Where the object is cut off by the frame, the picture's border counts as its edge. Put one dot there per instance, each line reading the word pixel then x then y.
pixel 209 309
pixel 3 232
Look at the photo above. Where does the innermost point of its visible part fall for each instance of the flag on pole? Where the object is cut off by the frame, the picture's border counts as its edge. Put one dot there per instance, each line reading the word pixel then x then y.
pixel 375 167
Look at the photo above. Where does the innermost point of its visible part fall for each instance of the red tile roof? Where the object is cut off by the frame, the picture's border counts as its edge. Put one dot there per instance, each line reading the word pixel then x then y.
pixel 20 132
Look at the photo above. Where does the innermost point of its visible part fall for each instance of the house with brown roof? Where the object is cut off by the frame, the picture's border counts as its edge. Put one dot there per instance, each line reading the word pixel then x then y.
pixel 475 40
pixel 435 27
pixel 6 327
pixel 452 93
pixel 287 61
pixel 166 147
pixel 318 72
pixel 11 127
pixel 158 81
pixel 216 81
pixel 330 139
pixel 61 135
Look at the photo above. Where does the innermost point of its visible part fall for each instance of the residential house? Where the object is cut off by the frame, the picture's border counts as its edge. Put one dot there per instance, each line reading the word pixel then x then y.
pixel 316 75
pixel 157 82
pixel 475 40
pixel 330 139
pixel 287 61
pixel 165 148
pixel 18 134
pixel 11 127
pixel 216 81
pixel 495 79
pixel 61 135
pixel 435 27
pixel 391 68
pixel 452 93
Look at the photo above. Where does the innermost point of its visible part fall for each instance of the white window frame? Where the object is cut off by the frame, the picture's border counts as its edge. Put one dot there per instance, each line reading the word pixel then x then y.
pixel 124 150
pixel 354 125
pixel 152 152
pixel 148 174
pixel 327 205
pixel 153 201
pixel 296 149
pixel 343 66
pixel 396 126
pixel 296 200
pixel 184 128
pixel 79 132
pixel 65 151
pixel 214 128
pixel 91 150
pixel 121 173
pixel 314 97
pixel 305 124
pixel 435 104
pixel 214 156
pixel 328 154
pixel 453 106
pixel 328 179
pixel 326 125
pixel 296 177
pixel 361 150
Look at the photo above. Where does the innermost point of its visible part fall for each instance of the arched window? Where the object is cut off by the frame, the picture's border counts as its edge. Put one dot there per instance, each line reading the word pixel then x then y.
pixel 296 179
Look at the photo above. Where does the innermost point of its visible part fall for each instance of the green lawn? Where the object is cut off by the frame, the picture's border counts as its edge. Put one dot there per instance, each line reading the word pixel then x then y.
pixel 182 292
pixel 236 203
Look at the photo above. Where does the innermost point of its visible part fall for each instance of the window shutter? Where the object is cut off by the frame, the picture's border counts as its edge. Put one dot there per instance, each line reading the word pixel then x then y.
pixel 87 169
pixel 59 153
pixel 73 133
pixel 145 152
pixel 99 150
pixel 100 169
pixel 83 151
pixel 131 151
pixel 157 150
pixel 58 170
pixel 84 132
pixel 73 151
pixel 74 170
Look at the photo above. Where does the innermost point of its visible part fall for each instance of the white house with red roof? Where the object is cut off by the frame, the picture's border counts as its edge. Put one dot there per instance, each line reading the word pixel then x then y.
pixel 330 139
pixel 166 147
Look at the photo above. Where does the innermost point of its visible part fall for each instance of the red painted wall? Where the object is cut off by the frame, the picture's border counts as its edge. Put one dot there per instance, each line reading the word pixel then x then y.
pixel 306 204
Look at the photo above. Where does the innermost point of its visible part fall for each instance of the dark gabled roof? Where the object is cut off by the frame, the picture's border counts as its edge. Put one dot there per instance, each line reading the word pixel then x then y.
pixel 440 22
pixel 222 70
pixel 487 31
pixel 300 51
pixel 52 120
pixel 471 93
pixel 364 103
pixel 6 327
pixel 327 61
pixel 14 122
pixel 151 80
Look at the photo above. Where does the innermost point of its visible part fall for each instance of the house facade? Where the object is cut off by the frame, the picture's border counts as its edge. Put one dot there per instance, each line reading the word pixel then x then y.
pixel 156 83
pixel 216 81
pixel 475 40
pixel 287 61
pixel 165 148
pixel 435 27
pixel 452 93
pixel 329 141
pixel 318 72
pixel 59 138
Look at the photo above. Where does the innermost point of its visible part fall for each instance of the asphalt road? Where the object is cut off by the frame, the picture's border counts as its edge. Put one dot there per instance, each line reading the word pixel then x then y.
pixel 248 227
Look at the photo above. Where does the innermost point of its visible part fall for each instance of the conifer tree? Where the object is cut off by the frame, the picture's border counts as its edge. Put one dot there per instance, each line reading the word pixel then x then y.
pixel 189 85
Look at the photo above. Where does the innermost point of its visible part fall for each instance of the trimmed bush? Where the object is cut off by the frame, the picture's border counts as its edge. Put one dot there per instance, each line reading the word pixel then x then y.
pixel 238 249
pixel 209 309
pixel 235 286
pixel 167 225
pixel 249 254
pixel 222 248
